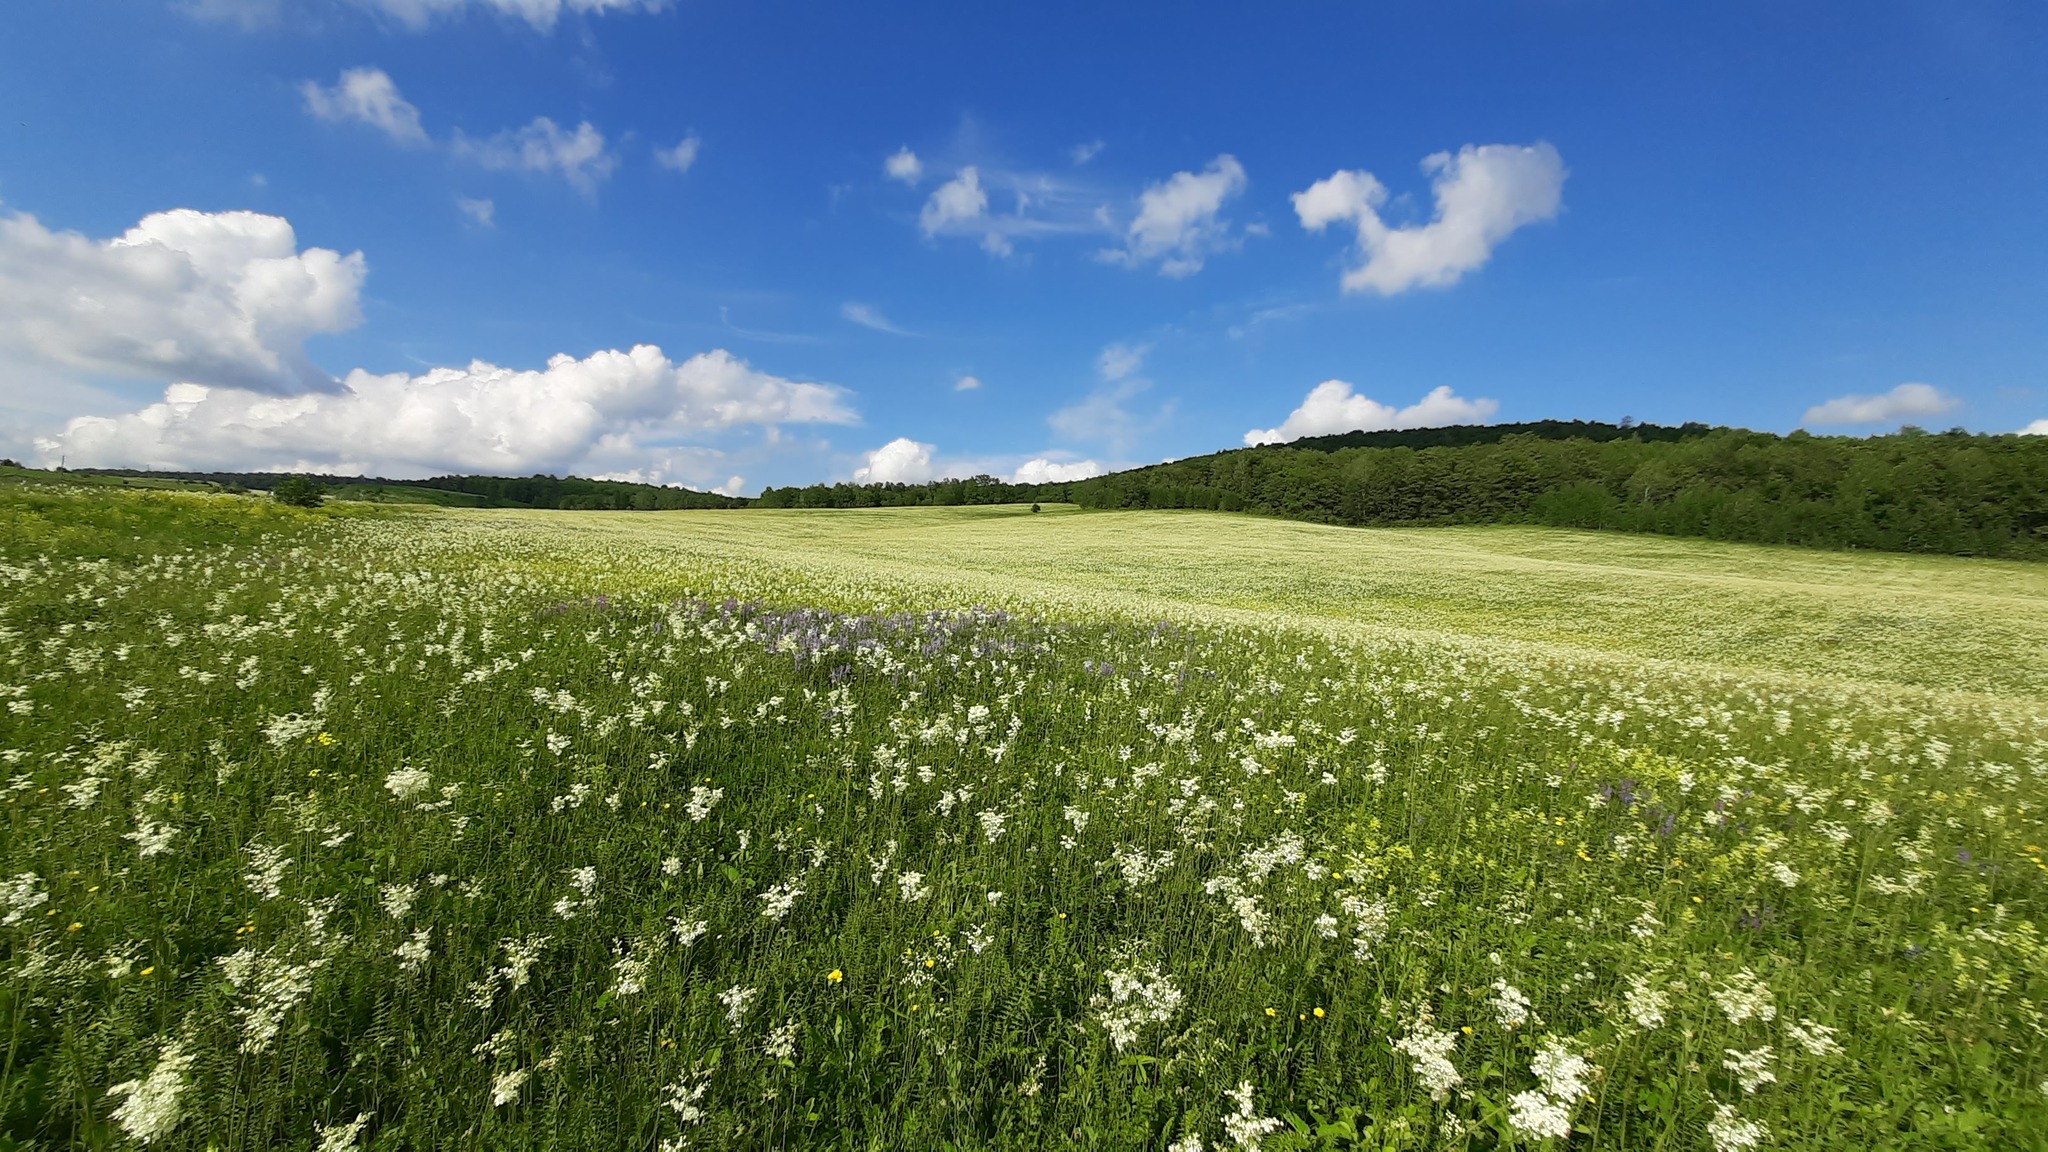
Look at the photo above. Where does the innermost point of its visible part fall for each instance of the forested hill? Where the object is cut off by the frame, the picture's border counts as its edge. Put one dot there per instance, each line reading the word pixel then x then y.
pixel 1913 491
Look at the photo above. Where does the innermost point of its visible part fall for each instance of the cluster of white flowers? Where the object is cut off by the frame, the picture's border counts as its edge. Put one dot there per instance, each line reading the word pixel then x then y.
pixel 702 800
pixel 584 882
pixel 341 1137
pixel 1245 1127
pixel 21 895
pixel 1510 1006
pixel 398 899
pixel 911 886
pixel 1546 1113
pixel 505 1087
pixel 1752 1069
pixel 151 1108
pixel 1731 1133
pixel 1646 1003
pixel 267 865
pixel 412 955
pixel 1138 995
pixel 779 899
pixel 270 985
pixel 781 1042
pixel 1431 1052
pixel 1817 1039
pixel 737 999
pixel 1745 997
pixel 409 783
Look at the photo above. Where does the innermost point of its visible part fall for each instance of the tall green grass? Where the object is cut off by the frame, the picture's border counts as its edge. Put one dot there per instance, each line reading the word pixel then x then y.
pixel 468 830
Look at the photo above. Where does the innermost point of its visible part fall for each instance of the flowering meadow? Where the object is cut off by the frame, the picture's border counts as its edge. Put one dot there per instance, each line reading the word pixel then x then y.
pixel 969 828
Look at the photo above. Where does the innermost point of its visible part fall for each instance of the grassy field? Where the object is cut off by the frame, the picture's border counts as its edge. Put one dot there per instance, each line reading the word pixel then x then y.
pixel 422 828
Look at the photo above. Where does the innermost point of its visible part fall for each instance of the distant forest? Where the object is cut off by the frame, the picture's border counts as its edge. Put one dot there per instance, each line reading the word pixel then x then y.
pixel 483 491
pixel 1913 491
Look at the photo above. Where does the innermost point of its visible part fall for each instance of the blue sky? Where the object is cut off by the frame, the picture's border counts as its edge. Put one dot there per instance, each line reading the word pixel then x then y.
pixel 1141 231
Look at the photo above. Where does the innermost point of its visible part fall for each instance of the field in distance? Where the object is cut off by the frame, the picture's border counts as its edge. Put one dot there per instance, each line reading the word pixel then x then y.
pixel 1949 623
pixel 376 828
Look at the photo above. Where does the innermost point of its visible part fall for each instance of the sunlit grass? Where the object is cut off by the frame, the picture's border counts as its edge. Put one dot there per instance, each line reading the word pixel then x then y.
pixel 484 829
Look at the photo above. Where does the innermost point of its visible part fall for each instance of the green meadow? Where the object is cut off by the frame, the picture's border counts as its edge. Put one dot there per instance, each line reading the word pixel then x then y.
pixel 415 827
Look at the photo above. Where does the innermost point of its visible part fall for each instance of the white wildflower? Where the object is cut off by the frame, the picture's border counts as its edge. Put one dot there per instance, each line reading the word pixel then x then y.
pixel 412 955
pixel 1645 1004
pixel 779 899
pixel 1538 1117
pixel 1138 995
pixel 398 899
pixel 702 800
pixel 20 896
pixel 151 837
pixel 992 824
pixel 671 865
pixel 1817 1039
pixel 685 1096
pixel 1431 1052
pixel 283 730
pixel 1510 1007
pixel 629 973
pixel 341 1137
pixel 267 865
pixel 688 932
pixel 781 1043
pixel 1326 926
pixel 270 986
pixel 505 1089
pixel 912 887
pixel 520 957
pixel 409 783
pixel 1783 874
pixel 1563 1074
pixel 1245 1127
pixel 1731 1133
pixel 1752 1069
pixel 736 1000
pixel 151 1109
pixel 1745 997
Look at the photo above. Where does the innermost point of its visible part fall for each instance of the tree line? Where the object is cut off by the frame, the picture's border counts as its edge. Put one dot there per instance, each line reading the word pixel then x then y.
pixel 537 491
pixel 1913 491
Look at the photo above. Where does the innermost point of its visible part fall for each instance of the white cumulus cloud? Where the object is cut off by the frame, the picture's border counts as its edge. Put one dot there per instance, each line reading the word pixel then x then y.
pixel 600 415
pixel 1179 220
pixel 957 204
pixel 224 298
pixel 1901 402
pixel 904 166
pixel 900 461
pixel 2037 428
pixel 1483 194
pixel 580 157
pixel 966 384
pixel 1332 407
pixel 1083 153
pixel 680 157
pixel 367 95
pixel 1044 471
pixel 483 212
